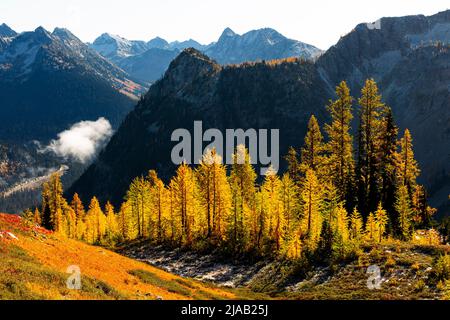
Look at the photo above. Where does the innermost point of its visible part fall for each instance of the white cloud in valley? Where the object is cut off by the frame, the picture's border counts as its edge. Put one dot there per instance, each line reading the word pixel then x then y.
pixel 82 141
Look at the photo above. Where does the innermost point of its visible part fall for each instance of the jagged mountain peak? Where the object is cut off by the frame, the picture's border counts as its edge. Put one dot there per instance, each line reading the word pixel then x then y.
pixel 6 31
pixel 227 33
pixel 191 62
pixel 107 35
pixel 26 45
pixel 69 39
pixel 192 55
pixel 63 33
pixel 42 31
pixel 189 66
pixel 115 47
pixel 113 39
pixel 260 44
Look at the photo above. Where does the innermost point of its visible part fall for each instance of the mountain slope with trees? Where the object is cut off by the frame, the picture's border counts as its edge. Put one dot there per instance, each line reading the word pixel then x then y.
pixel 284 94
pixel 331 213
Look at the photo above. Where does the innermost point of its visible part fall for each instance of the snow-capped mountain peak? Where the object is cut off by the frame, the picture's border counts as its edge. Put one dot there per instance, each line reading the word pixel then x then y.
pixel 261 44
pixel 22 50
pixel 115 47
pixel 64 34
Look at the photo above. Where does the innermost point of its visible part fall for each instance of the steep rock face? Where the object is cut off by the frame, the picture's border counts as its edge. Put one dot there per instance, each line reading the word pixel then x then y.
pixel 409 58
pixel 3 44
pixel 376 49
pixel 418 88
pixel 197 88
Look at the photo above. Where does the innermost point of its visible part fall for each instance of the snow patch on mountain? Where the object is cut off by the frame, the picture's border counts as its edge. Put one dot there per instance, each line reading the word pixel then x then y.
pixel 116 47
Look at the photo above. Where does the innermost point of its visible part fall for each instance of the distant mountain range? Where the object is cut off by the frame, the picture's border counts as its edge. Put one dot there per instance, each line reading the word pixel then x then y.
pixel 147 61
pixel 409 57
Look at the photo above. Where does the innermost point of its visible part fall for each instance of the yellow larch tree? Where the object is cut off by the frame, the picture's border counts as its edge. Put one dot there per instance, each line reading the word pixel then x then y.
pixel 124 222
pixel 214 194
pixel 382 221
pixel 371 228
pixel 312 153
pixel 70 222
pixel 95 222
pixel 243 195
pixel 356 225
pixel 407 168
pixel 158 205
pixel 372 112
pixel 275 218
pixel 138 197
pixel 404 211
pixel 185 205
pixel 112 226
pixel 340 224
pixel 311 197
pixel 77 206
pixel 37 217
pixel 340 163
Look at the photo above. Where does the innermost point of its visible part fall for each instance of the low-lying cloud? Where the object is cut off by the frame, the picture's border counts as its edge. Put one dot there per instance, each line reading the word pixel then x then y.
pixel 82 141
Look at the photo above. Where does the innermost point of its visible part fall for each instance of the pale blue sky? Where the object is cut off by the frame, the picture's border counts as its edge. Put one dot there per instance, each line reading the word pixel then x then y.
pixel 319 22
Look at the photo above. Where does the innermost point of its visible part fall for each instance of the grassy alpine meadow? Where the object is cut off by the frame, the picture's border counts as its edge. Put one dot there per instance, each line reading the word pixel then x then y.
pixel 34 264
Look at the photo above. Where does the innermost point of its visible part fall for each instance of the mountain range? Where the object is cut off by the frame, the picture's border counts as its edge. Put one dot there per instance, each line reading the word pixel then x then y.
pixel 50 81
pixel 409 57
pixel 147 61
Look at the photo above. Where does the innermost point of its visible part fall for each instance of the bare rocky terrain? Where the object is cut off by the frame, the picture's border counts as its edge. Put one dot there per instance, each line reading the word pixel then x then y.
pixel 406 272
